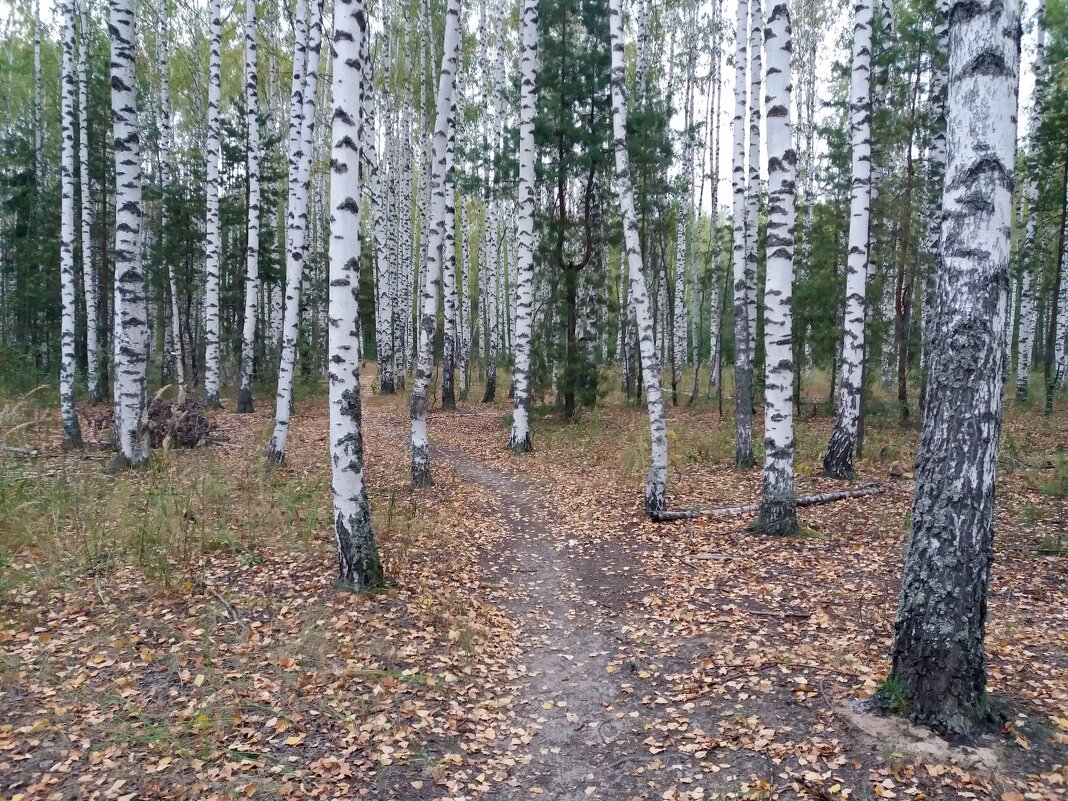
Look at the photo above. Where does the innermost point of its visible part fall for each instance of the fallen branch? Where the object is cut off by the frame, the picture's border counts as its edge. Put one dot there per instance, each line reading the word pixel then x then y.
pixel 811 500
pixel 31 452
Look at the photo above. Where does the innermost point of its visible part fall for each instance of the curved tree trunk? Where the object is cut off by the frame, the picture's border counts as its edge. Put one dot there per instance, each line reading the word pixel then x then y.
pixel 307 37
pixel 252 246
pixel 838 461
pixel 435 240
pixel 778 504
pixel 656 482
pixel 131 310
pixel 938 647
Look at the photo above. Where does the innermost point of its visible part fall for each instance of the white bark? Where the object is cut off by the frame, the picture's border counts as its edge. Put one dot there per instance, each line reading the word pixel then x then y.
pixel 1028 283
pixel 165 138
pixel 938 649
pixel 307 42
pixel 131 311
pixel 656 482
pixel 752 214
pixel 743 319
pixel 252 229
pixel 72 435
pixel 777 509
pixel 838 461
pixel 89 284
pixel 358 561
pixel 212 240
pixel 528 68
pixel 435 240
pixel 38 126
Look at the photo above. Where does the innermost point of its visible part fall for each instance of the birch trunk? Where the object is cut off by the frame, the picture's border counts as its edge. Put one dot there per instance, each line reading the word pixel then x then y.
pixel 656 482
pixel 89 283
pixel 752 215
pixel 435 239
pixel 252 246
pixel 358 561
pixel 212 239
pixel 38 126
pixel 778 505
pixel 72 434
pixel 307 34
pixel 938 648
pixel 130 309
pixel 519 441
pixel 1028 285
pixel 838 461
pixel 165 137
pixel 448 289
pixel 743 322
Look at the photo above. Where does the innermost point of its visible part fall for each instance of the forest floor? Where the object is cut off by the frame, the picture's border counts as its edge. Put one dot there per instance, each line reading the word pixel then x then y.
pixel 173 632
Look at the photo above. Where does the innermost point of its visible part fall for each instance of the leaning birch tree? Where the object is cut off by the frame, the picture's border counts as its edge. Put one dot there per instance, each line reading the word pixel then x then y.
pixel 519 441
pixel 938 645
pixel 252 228
pixel 838 461
pixel 72 435
pixel 359 565
pixel 130 307
pixel 778 507
pixel 656 481
pixel 428 317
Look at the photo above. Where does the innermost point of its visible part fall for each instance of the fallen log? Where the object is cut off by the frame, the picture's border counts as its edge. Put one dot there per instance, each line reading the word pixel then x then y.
pixel 811 500
pixel 31 452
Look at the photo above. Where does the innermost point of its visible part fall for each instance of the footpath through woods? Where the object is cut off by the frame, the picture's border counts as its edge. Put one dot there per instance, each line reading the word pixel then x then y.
pixel 540 638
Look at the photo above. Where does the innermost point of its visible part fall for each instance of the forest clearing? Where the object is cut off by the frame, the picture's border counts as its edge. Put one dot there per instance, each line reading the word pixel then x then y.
pixel 172 633
pixel 442 400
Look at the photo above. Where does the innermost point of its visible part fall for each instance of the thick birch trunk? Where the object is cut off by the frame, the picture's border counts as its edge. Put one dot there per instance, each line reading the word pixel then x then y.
pixel 93 352
pixel 838 461
pixel 519 441
pixel 778 505
pixel 752 214
pixel 130 309
pixel 656 482
pixel 938 648
pixel 743 321
pixel 252 246
pixel 212 239
pixel 72 434
pixel 435 240
pixel 358 561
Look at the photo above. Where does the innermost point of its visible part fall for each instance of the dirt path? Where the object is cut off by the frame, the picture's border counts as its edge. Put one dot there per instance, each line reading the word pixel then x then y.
pixel 569 599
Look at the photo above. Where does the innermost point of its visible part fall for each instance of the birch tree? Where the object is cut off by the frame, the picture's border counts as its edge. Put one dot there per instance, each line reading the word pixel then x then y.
pixel 743 365
pixel 130 308
pixel 519 441
pixel 938 647
pixel 656 481
pixel 307 37
pixel 89 282
pixel 72 435
pixel 436 236
pixel 165 141
pixel 752 211
pixel 778 505
pixel 838 461
pixel 359 565
pixel 252 229
pixel 212 235
pixel 1029 287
